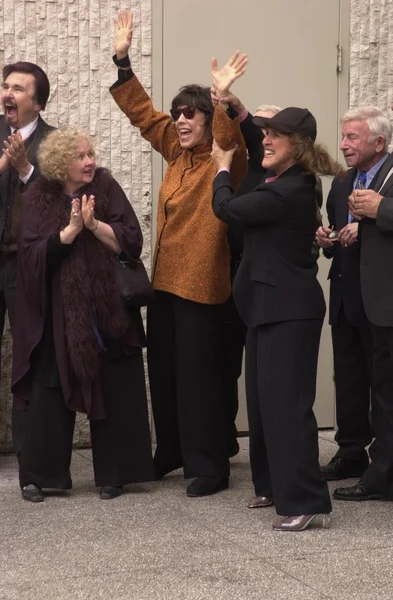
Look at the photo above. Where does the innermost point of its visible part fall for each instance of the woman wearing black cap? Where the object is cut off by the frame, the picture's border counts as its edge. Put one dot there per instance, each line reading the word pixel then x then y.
pixel 280 300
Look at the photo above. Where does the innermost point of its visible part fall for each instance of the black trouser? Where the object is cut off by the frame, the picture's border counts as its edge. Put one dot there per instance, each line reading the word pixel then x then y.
pixel 379 475
pixel 7 288
pixel 352 354
pixel 281 370
pixel 233 338
pixel 186 386
pixel 120 442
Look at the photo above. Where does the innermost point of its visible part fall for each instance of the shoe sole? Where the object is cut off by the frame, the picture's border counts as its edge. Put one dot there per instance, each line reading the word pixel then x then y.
pixel 364 499
pixel 340 477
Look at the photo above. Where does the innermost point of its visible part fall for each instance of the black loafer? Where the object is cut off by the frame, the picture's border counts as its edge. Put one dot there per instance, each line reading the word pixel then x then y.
pixel 206 486
pixel 356 493
pixel 32 493
pixel 108 492
pixel 342 468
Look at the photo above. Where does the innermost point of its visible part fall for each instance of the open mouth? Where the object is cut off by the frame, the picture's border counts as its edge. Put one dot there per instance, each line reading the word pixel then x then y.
pixel 10 109
pixel 184 134
pixel 269 153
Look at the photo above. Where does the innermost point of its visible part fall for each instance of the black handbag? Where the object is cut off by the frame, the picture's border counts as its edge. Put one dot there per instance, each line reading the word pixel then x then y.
pixel 133 281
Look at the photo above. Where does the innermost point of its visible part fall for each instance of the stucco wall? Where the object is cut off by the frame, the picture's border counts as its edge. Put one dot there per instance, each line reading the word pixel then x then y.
pixel 73 41
pixel 371 55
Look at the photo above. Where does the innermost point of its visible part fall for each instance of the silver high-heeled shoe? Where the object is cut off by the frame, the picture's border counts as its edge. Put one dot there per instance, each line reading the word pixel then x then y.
pixel 260 502
pixel 300 523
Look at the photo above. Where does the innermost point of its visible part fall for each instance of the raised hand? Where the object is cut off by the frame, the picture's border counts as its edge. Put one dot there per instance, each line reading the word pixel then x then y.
pixel 15 152
pixel 123 33
pixel 222 79
pixel 87 211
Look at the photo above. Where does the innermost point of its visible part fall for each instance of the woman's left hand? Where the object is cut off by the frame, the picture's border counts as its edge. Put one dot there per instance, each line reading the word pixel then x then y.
pixel 222 158
pixel 87 211
pixel 222 79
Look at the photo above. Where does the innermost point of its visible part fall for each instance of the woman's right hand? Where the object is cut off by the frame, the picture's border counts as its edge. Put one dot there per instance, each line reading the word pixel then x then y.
pixel 123 33
pixel 75 226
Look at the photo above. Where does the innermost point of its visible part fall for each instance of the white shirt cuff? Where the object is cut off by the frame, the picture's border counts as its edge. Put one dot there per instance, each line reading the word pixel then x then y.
pixel 26 178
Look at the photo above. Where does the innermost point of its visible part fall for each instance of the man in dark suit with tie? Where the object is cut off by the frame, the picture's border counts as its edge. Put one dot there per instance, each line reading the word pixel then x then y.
pixel 25 92
pixel 366 135
pixel 374 208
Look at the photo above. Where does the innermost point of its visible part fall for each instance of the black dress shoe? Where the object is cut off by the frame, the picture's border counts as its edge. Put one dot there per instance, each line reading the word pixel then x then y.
pixel 356 493
pixel 108 492
pixel 32 493
pixel 206 486
pixel 342 468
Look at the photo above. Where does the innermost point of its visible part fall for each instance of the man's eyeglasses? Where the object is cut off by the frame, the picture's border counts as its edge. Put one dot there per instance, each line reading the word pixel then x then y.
pixel 187 111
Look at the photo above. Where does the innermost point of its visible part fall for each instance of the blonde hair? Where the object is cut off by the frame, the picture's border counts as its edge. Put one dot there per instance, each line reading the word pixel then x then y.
pixel 58 151
pixel 315 158
pixel 269 108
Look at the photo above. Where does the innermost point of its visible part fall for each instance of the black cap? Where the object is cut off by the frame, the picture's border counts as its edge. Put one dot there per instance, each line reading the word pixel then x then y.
pixel 291 120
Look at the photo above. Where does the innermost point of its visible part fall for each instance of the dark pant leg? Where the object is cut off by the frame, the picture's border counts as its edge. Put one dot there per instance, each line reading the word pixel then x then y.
pixel 232 340
pixel 7 302
pixel 10 286
pixel 287 370
pixel 161 363
pixel 379 475
pixel 258 456
pixel 46 449
pixel 353 385
pixel 201 407
pixel 121 442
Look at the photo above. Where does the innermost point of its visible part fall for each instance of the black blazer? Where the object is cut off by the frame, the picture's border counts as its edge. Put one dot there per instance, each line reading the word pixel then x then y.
pixel 40 132
pixel 277 277
pixel 253 137
pixel 376 253
pixel 344 273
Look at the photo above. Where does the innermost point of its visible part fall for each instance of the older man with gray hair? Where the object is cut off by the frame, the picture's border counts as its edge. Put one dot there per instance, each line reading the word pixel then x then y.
pixel 366 135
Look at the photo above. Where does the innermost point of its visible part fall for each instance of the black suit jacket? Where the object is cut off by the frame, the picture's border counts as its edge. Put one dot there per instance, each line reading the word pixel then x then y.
pixel 376 253
pixel 41 131
pixel 253 137
pixel 277 277
pixel 344 273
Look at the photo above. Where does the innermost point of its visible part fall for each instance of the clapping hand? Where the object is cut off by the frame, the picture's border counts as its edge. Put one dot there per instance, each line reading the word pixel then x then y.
pixel 87 211
pixel 15 152
pixel 222 79
pixel 123 33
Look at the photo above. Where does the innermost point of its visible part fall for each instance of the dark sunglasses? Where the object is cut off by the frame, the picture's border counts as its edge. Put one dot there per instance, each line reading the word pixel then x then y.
pixel 187 111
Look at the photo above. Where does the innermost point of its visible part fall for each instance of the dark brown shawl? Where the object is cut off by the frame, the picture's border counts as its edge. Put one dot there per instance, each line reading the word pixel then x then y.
pixel 85 296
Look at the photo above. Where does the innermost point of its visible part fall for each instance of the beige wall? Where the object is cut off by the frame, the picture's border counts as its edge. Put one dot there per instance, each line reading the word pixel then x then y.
pixel 72 41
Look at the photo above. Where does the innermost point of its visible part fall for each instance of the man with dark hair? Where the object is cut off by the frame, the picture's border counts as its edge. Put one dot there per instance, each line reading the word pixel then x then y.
pixel 25 92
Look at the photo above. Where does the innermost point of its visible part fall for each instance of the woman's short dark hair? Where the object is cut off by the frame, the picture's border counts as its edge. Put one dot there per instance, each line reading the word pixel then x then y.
pixel 42 87
pixel 197 96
